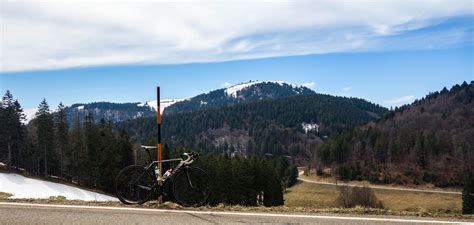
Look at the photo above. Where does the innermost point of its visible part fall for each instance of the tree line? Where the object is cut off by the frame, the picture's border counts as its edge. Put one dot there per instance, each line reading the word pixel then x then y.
pixel 248 182
pixel 90 153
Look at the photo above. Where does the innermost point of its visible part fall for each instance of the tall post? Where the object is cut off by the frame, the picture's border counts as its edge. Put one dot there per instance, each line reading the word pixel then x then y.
pixel 158 122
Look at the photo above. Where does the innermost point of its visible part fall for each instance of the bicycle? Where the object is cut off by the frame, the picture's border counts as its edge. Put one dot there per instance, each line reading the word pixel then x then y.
pixel 190 186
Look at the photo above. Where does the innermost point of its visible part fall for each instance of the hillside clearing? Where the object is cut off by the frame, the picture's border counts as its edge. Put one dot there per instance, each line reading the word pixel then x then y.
pixel 312 195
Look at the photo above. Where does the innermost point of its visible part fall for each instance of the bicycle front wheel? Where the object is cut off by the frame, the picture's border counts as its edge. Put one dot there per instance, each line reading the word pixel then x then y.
pixel 134 185
pixel 191 187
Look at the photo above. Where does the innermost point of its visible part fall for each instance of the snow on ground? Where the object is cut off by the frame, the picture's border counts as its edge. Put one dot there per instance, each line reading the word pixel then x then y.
pixel 232 90
pixel 163 103
pixel 23 187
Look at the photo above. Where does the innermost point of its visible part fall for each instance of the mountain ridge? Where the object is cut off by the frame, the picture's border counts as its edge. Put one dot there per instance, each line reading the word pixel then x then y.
pixel 428 141
pixel 239 93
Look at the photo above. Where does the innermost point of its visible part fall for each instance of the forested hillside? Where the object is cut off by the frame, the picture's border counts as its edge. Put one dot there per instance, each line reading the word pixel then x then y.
pixel 284 126
pixel 90 153
pixel 429 141
pixel 113 112
pixel 240 93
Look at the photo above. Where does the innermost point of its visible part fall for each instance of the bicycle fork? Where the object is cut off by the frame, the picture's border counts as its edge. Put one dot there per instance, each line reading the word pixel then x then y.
pixel 189 179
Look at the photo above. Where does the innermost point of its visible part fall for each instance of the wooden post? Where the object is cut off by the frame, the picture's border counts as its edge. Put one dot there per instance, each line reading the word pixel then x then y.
pixel 158 122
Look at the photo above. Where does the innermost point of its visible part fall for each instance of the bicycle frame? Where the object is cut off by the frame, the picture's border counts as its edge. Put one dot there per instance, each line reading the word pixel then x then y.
pixel 173 172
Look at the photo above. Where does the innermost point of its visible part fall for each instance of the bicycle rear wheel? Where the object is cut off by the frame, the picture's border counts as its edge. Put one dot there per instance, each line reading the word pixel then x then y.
pixel 134 185
pixel 191 187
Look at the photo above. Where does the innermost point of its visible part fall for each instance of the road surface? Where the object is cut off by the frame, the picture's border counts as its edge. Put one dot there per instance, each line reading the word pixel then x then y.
pixel 25 213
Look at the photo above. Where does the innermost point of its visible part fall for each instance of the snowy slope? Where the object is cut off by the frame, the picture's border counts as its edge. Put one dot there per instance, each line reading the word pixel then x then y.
pixel 23 187
pixel 234 89
pixel 163 103
pixel 30 114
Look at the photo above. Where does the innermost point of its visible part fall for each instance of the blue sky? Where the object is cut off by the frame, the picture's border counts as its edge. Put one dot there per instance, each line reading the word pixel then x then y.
pixel 382 77
pixel 389 53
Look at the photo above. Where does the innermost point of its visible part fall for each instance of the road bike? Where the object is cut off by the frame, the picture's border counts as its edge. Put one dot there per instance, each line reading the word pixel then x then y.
pixel 188 186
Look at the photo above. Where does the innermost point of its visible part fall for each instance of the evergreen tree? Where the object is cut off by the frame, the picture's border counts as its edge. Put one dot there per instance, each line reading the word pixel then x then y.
pixel 92 141
pixel 11 134
pixel 468 194
pixel 79 158
pixel 62 139
pixel 45 133
pixel 292 173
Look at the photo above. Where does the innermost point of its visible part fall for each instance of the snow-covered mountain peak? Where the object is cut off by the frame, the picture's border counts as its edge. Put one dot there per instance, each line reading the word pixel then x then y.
pixel 233 90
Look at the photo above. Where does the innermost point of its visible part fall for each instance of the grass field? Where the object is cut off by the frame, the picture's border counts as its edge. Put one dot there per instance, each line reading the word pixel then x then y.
pixel 309 195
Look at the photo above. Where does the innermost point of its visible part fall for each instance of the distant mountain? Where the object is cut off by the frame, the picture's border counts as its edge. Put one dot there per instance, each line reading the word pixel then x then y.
pixel 240 93
pixel 114 112
pixel 291 125
pixel 429 141
pixel 109 111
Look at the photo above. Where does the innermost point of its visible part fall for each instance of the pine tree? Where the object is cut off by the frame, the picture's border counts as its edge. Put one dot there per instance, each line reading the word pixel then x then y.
pixel 79 159
pixel 7 126
pixel 62 139
pixel 45 133
pixel 11 134
pixel 92 141
pixel 18 132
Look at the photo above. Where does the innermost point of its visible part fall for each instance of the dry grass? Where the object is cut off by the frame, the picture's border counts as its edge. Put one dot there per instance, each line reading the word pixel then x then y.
pixel 325 196
pixel 310 195
pixel 329 179
pixel 431 202
pixel 4 195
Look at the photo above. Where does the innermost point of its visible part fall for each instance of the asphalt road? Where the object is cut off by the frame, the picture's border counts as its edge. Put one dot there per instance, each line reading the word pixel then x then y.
pixel 21 213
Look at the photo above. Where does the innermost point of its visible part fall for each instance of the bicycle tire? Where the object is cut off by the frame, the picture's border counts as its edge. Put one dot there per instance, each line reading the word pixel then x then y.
pixel 133 185
pixel 191 195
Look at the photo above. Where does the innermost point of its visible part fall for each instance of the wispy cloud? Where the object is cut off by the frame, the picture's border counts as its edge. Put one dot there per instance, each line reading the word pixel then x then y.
pixel 347 89
pixel 401 100
pixel 308 85
pixel 51 35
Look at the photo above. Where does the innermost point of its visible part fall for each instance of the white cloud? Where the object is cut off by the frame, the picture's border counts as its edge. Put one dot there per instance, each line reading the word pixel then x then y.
pixel 226 84
pixel 347 89
pixel 308 85
pixel 58 34
pixel 401 100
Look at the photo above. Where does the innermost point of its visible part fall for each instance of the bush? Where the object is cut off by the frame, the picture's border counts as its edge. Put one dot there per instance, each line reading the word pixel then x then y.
pixel 468 194
pixel 358 196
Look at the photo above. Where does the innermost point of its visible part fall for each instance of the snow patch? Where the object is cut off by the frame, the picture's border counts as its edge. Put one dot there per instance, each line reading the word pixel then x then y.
pixel 163 103
pixel 29 114
pixel 80 108
pixel 23 187
pixel 233 90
